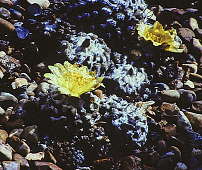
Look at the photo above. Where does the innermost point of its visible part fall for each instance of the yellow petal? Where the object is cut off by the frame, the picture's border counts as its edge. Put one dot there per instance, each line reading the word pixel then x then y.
pixel 73 80
pixel 158 36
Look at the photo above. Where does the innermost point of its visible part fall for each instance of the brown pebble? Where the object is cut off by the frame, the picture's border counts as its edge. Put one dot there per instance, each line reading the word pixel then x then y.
pixel 177 152
pixel 151 158
pixel 161 147
pixel 6 26
pixel 46 165
pixel 130 162
pixel 170 130
pixel 197 106
pixel 6 2
pixel 195 119
pixel 99 93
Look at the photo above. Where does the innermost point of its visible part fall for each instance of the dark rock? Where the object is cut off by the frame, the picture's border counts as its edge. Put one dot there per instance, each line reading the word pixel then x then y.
pixel 186 97
pixel 198 33
pixel 46 165
pixel 19 145
pixel 130 162
pixel 30 135
pixel 49 157
pixel 167 163
pixel 34 10
pixel 16 14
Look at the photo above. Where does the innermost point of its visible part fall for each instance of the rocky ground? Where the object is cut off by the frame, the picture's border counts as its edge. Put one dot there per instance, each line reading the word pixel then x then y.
pixel 146 116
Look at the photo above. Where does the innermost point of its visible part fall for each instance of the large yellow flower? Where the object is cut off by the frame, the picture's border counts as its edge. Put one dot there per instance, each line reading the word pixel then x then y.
pixel 159 36
pixel 73 80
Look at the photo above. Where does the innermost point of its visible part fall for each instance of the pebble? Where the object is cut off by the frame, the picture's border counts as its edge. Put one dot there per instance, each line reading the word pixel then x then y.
pixel 9 63
pixel 193 68
pixel 49 157
pixel 170 130
pixel 35 156
pixel 170 95
pixel 195 119
pixel 198 33
pixel 197 106
pixel 181 166
pixel 44 87
pixel 99 93
pixel 165 162
pixel 6 26
pixel 34 10
pixel 7 2
pixel 19 145
pixel 4 13
pixel 19 82
pixel 5 152
pixel 23 162
pixel 130 162
pixel 23 149
pixel 189 84
pixel 195 77
pixel 44 4
pixel 3 135
pixel 2 111
pixel 1 73
pixel 30 89
pixel 46 165
pixel 161 147
pixel 177 152
pixel 197 45
pixel 22 33
pixel 186 97
pixel 11 165
pixel 15 132
pixel 186 34
pixel 193 23
pixel 29 134
pixel 151 158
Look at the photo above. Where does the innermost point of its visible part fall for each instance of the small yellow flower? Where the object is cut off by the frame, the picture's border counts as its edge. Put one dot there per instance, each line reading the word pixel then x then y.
pixel 73 80
pixel 159 36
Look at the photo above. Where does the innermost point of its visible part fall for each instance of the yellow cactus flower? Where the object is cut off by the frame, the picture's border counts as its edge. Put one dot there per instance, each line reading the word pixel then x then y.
pixel 159 36
pixel 73 80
